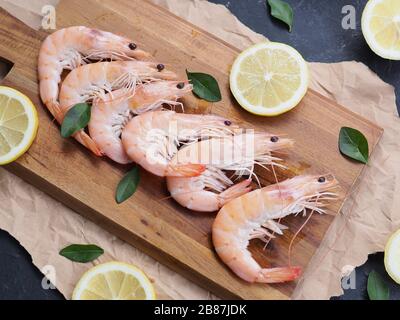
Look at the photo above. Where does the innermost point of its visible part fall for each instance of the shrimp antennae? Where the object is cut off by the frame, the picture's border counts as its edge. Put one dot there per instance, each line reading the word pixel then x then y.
pixel 315 204
pixel 104 55
pixel 280 196
pixel 158 104
pixel 296 234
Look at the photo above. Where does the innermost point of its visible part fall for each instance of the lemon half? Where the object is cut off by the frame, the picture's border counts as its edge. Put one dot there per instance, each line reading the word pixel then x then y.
pixel 381 27
pixel 114 281
pixel 392 257
pixel 269 78
pixel 18 124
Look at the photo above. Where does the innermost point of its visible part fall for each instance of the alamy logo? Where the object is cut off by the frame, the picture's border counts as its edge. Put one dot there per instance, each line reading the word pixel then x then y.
pixel 349 277
pixel 49 17
pixel 49 279
pixel 349 20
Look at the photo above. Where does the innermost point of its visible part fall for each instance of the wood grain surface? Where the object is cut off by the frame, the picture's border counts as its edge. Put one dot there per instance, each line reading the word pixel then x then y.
pixel 173 235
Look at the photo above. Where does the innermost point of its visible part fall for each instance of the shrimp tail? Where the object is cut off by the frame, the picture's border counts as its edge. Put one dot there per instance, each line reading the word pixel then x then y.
pixel 55 110
pixel 277 275
pixel 83 138
pixel 185 170
pixel 235 191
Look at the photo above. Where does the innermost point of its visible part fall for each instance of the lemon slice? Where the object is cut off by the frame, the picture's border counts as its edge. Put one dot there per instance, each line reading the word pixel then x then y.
pixel 392 257
pixel 381 27
pixel 18 124
pixel 269 78
pixel 114 281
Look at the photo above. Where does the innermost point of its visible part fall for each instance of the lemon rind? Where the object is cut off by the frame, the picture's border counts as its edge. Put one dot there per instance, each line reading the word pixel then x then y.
pixel 370 37
pixel 114 266
pixel 31 131
pixel 284 107
pixel 392 245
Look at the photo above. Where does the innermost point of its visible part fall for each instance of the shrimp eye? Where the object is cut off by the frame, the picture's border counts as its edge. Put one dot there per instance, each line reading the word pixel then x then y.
pixel 274 139
pixel 227 123
pixel 180 85
pixel 132 46
pixel 321 179
pixel 160 67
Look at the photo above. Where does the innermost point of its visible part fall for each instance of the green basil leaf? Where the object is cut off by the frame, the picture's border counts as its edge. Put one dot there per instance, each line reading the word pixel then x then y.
pixel 377 288
pixel 82 252
pixel 76 119
pixel 353 144
pixel 282 11
pixel 128 185
pixel 205 86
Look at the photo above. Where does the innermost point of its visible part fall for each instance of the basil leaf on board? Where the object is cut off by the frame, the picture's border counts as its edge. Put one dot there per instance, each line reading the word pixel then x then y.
pixel 353 144
pixel 76 119
pixel 82 252
pixel 205 86
pixel 377 288
pixel 282 11
pixel 128 185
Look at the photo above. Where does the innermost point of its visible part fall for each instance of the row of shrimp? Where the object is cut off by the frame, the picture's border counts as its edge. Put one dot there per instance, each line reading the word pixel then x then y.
pixel 208 161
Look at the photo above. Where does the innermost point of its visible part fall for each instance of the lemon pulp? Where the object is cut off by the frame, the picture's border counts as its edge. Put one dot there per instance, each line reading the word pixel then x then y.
pixel 269 78
pixel 381 27
pixel 18 124
pixel 392 257
pixel 114 281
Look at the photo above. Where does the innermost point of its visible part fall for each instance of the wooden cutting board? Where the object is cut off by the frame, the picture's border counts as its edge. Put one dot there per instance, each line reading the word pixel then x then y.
pixel 175 236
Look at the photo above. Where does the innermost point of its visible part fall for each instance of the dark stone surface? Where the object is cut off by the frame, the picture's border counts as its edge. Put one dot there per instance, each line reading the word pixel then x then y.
pixel 318 35
pixel 317 32
pixel 19 278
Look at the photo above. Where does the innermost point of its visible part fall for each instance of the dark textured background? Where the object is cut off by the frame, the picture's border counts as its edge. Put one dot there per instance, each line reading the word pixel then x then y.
pixel 318 35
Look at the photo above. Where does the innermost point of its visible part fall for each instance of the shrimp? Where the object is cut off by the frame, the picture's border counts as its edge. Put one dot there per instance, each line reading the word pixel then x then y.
pixel 67 49
pixel 152 139
pixel 93 81
pixel 252 215
pixel 212 189
pixel 110 116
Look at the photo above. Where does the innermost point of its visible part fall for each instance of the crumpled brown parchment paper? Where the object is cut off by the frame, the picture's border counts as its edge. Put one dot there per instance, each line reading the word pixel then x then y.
pixel 367 219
